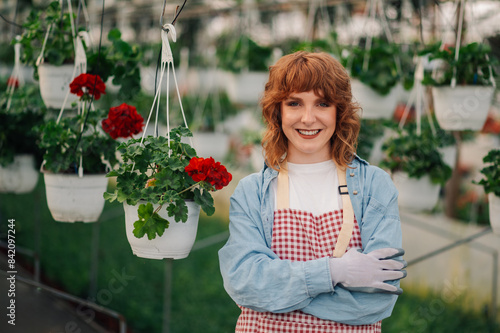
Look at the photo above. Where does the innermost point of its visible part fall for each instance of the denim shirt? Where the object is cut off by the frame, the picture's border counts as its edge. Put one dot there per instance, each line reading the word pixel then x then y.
pixel 256 278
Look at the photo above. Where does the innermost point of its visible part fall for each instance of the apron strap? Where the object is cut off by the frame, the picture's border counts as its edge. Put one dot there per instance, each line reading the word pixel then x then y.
pixel 345 234
pixel 282 192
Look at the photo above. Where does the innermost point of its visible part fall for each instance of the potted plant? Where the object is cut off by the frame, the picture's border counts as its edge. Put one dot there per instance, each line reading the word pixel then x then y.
pixel 207 114
pixel 19 154
pixel 417 167
pixel 462 89
pixel 117 62
pixel 80 149
pixel 163 185
pixel 249 62
pixel 48 45
pixel 491 185
pixel 374 74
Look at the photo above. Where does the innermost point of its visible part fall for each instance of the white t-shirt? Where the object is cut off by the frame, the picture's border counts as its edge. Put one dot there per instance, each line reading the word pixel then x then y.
pixel 313 187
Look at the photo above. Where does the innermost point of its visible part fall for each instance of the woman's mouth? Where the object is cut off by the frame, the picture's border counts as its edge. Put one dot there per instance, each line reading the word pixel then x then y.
pixel 308 132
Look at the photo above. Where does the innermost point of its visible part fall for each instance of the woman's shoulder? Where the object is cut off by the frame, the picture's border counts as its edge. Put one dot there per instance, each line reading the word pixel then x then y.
pixel 368 170
pixel 375 180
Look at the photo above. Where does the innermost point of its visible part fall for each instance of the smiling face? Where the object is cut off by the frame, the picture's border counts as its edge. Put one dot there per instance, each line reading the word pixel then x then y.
pixel 308 121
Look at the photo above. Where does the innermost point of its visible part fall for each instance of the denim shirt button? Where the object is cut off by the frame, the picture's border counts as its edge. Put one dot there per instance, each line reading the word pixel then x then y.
pixel 351 174
pixel 354 192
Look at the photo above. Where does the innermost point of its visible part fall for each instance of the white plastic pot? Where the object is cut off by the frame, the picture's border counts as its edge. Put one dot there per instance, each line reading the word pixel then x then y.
pixel 374 105
pixel 20 176
pixel 54 85
pixel 416 195
pixel 177 240
pixel 211 144
pixel 246 87
pixel 71 198
pixel 494 210
pixel 463 107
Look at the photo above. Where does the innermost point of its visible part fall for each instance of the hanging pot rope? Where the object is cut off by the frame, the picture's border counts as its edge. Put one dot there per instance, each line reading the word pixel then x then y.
pixel 16 76
pixel 80 67
pixel 372 8
pixel 167 60
pixel 461 3
pixel 418 97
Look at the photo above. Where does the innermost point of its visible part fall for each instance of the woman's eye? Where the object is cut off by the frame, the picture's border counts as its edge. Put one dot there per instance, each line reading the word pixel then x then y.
pixel 324 104
pixel 292 103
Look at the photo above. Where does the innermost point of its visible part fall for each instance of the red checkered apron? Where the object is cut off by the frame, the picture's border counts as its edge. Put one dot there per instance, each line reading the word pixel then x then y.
pixel 301 236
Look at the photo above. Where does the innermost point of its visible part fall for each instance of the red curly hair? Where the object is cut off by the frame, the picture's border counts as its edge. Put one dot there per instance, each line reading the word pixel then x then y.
pixel 301 72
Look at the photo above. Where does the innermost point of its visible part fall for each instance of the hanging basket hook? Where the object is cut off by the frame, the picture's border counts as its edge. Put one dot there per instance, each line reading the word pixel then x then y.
pixel 168 30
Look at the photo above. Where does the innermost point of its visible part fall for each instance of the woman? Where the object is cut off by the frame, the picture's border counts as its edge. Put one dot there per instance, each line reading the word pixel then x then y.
pixel 278 264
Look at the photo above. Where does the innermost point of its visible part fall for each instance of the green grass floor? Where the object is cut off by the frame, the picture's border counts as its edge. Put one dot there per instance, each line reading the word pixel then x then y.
pixel 198 302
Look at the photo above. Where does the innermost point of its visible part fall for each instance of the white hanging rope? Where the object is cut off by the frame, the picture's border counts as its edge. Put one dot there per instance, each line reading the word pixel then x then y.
pixel 368 45
pixel 459 38
pixel 79 67
pixel 40 59
pixel 418 97
pixel 16 76
pixel 167 61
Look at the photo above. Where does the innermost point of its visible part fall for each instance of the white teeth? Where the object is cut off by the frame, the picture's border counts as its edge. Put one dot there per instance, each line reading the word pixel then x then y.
pixel 308 132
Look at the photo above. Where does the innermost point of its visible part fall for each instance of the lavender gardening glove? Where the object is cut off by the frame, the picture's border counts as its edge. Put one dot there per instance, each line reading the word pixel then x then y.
pixel 356 271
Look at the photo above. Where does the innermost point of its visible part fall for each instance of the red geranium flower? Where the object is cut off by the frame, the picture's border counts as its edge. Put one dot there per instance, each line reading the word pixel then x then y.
pixel 123 121
pixel 88 84
pixel 206 169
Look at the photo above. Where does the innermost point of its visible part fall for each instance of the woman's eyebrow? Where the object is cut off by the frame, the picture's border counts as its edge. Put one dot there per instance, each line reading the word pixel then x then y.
pixel 293 98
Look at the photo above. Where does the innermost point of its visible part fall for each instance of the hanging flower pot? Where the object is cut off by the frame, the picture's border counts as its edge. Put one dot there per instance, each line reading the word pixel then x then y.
pixel 54 85
pixel 463 107
pixel 80 148
pixel 416 194
pixel 417 167
pixel 20 176
pixel 71 198
pixel 175 243
pixel 246 87
pixel 215 144
pixel 462 85
pixel 174 189
pixel 374 105
pixel 159 181
pixel 494 210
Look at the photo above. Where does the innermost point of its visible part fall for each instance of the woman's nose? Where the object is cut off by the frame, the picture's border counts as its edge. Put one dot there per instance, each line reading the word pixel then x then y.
pixel 308 115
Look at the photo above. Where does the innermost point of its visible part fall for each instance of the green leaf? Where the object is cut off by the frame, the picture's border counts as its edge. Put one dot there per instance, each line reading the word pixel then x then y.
pixel 110 196
pixel 149 222
pixel 178 210
pixel 205 200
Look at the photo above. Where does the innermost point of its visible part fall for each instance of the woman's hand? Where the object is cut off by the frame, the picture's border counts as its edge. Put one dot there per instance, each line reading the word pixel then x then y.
pixel 356 271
